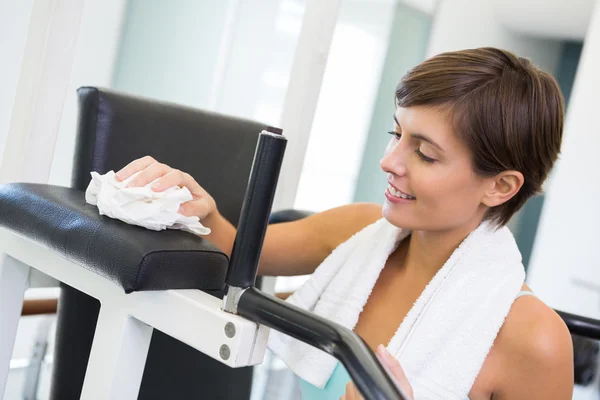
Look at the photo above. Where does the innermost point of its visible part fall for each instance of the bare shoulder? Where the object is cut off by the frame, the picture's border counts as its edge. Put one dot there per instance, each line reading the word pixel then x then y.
pixel 536 352
pixel 535 330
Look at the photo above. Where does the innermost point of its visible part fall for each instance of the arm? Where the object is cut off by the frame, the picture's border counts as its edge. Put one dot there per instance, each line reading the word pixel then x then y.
pixel 298 247
pixel 290 248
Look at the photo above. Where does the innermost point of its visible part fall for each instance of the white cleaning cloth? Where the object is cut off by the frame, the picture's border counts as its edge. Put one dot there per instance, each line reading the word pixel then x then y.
pixel 444 339
pixel 142 206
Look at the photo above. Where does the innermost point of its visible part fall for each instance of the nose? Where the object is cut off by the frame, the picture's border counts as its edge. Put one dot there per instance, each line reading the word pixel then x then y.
pixel 394 159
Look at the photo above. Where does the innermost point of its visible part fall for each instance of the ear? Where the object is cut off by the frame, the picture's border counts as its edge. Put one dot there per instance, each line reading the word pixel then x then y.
pixel 503 187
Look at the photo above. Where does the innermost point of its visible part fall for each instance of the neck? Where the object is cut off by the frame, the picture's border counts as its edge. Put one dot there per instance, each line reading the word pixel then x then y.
pixel 428 251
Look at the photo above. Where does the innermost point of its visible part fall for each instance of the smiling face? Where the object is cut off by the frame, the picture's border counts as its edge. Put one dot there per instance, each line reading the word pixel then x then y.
pixel 496 121
pixel 432 184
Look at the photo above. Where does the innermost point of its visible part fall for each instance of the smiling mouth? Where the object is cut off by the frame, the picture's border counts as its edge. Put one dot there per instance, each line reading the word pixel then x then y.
pixel 397 193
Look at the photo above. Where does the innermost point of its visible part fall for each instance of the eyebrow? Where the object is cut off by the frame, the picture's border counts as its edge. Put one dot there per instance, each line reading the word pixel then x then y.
pixel 421 137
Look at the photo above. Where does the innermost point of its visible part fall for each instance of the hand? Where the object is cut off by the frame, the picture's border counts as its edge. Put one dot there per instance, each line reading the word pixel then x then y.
pixel 202 204
pixel 352 392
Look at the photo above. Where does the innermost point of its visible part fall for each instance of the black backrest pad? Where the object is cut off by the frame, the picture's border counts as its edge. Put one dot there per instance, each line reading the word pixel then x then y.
pixel 216 150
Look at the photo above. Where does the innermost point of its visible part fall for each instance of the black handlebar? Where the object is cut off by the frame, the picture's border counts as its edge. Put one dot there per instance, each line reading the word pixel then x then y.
pixel 370 377
pixel 256 208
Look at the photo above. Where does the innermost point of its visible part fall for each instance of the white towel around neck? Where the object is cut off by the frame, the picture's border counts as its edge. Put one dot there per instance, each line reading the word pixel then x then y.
pixel 444 339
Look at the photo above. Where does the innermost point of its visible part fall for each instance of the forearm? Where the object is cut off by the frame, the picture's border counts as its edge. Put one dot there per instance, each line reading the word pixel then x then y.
pixel 222 232
pixel 281 252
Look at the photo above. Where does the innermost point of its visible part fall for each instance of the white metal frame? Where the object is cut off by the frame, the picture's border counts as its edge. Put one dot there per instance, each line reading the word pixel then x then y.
pixel 125 322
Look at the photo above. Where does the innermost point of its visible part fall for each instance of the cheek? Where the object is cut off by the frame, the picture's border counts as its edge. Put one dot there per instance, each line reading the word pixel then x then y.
pixel 449 189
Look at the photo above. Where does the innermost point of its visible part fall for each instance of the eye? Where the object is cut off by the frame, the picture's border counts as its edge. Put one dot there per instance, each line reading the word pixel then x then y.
pixel 396 134
pixel 424 157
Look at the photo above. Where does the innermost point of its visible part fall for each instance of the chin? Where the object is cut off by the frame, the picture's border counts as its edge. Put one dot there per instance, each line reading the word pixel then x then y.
pixel 399 219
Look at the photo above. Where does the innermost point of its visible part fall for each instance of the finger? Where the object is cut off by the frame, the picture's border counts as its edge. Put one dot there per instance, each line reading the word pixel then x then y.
pixel 170 179
pixel 199 208
pixel 190 183
pixel 352 392
pixel 396 370
pixel 355 393
pixel 150 173
pixel 390 360
pixel 178 178
pixel 133 167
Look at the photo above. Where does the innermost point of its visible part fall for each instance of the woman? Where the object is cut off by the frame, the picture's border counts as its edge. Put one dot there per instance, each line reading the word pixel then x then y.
pixel 476 133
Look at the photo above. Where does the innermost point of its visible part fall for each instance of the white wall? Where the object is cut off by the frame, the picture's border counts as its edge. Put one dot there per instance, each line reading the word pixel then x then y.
pixel 461 24
pixel 563 270
pixel 564 265
pixel 562 19
pixel 345 106
pixel 87 61
pixel 40 93
pixel 168 49
pixel 259 60
pixel 425 6
pixel 232 56
pixel 14 24
pixel 95 53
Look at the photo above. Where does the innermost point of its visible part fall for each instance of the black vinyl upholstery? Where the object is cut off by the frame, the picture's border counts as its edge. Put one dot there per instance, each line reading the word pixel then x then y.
pixel 288 215
pixel 132 257
pixel 217 150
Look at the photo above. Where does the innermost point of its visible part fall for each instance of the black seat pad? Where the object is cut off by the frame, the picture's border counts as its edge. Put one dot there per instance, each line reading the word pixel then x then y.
pixel 133 257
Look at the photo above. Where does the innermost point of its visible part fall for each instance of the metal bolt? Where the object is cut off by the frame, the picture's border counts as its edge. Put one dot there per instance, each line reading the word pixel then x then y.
pixel 230 330
pixel 224 352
